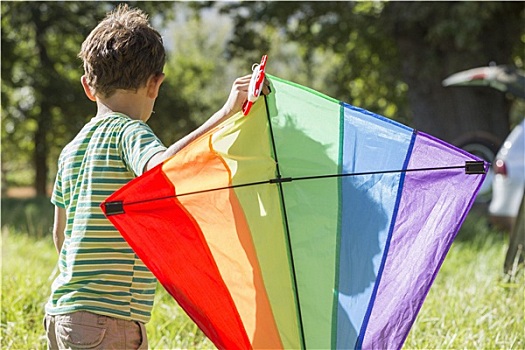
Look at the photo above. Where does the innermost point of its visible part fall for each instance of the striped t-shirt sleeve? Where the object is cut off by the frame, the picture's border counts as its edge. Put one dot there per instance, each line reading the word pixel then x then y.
pixel 57 197
pixel 138 144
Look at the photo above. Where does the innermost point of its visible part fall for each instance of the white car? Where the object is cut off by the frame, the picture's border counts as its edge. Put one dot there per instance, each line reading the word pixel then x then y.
pixel 511 81
pixel 508 184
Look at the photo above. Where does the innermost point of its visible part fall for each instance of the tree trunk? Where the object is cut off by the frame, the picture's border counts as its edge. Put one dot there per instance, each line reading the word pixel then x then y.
pixel 453 113
pixel 516 251
pixel 41 150
pixel 44 118
pixel 450 113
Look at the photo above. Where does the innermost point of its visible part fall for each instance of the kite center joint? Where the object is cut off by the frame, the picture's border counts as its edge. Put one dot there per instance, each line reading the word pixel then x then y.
pixel 280 180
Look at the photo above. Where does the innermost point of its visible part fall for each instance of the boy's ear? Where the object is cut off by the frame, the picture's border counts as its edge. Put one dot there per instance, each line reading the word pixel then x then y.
pixel 87 89
pixel 153 85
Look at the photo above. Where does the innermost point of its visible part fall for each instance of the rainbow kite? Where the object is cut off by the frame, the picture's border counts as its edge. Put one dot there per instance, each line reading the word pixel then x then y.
pixel 307 224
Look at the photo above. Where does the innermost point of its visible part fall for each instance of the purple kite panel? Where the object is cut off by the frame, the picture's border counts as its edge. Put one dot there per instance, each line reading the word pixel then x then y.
pixel 432 207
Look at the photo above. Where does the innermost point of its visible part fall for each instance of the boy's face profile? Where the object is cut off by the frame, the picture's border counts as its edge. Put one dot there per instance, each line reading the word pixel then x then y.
pixel 152 92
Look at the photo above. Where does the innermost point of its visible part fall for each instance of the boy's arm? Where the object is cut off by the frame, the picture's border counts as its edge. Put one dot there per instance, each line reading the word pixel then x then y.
pixel 59 226
pixel 238 95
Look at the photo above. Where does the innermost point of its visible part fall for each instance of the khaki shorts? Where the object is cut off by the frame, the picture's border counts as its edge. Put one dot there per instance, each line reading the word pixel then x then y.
pixel 85 330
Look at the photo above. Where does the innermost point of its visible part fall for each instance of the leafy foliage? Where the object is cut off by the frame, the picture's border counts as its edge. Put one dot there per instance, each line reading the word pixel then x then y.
pixel 390 57
pixel 198 78
pixel 38 91
pixel 346 39
pixel 43 104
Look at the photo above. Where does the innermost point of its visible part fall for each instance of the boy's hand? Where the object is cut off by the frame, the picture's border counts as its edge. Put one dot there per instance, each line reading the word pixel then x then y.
pixel 239 94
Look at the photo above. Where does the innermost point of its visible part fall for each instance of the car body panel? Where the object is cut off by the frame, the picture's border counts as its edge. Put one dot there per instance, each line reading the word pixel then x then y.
pixel 508 189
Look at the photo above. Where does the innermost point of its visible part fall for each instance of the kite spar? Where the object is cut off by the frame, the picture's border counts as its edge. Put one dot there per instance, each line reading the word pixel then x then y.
pixel 306 224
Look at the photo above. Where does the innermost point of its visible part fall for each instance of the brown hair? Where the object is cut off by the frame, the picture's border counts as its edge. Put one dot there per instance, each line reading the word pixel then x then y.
pixel 122 52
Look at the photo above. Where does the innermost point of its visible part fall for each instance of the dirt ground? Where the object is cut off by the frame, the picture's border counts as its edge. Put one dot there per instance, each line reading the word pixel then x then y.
pixel 21 192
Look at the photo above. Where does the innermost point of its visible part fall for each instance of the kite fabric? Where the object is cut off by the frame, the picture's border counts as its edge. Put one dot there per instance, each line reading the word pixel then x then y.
pixel 307 224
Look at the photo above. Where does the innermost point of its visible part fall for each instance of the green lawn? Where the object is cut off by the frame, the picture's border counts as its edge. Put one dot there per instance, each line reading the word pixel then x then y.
pixel 28 268
pixel 471 305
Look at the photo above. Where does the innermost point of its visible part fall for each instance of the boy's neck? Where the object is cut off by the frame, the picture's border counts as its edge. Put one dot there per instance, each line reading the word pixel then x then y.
pixel 133 104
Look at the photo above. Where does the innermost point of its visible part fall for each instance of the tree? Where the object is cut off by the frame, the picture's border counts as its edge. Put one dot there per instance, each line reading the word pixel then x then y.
pixel 340 50
pixel 41 94
pixel 198 76
pixel 438 39
pixel 397 52
pixel 37 48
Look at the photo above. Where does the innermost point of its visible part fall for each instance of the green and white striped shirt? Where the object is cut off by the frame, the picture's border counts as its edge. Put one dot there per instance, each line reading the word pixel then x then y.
pixel 98 270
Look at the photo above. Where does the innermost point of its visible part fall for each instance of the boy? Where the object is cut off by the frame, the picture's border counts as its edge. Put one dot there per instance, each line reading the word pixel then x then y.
pixel 103 294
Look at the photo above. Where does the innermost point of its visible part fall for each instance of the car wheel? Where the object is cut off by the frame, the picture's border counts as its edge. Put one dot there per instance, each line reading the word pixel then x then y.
pixel 515 253
pixel 485 147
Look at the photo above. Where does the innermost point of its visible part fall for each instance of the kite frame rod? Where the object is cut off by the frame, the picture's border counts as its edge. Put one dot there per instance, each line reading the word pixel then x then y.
pixel 280 180
pixel 287 228
pixel 313 177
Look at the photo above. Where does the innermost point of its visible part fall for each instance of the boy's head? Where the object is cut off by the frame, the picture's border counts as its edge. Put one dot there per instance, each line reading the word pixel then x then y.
pixel 122 52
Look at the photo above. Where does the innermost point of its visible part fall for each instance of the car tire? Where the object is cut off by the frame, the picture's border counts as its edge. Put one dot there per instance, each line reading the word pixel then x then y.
pixel 515 253
pixel 484 146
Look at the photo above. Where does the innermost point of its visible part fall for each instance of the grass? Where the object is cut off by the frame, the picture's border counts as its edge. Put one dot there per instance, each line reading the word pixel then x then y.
pixel 171 328
pixel 27 264
pixel 33 216
pixel 472 304
pixel 28 268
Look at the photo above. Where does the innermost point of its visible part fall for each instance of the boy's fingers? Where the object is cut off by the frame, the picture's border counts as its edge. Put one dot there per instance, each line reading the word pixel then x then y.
pixel 243 83
pixel 266 87
pixel 245 80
